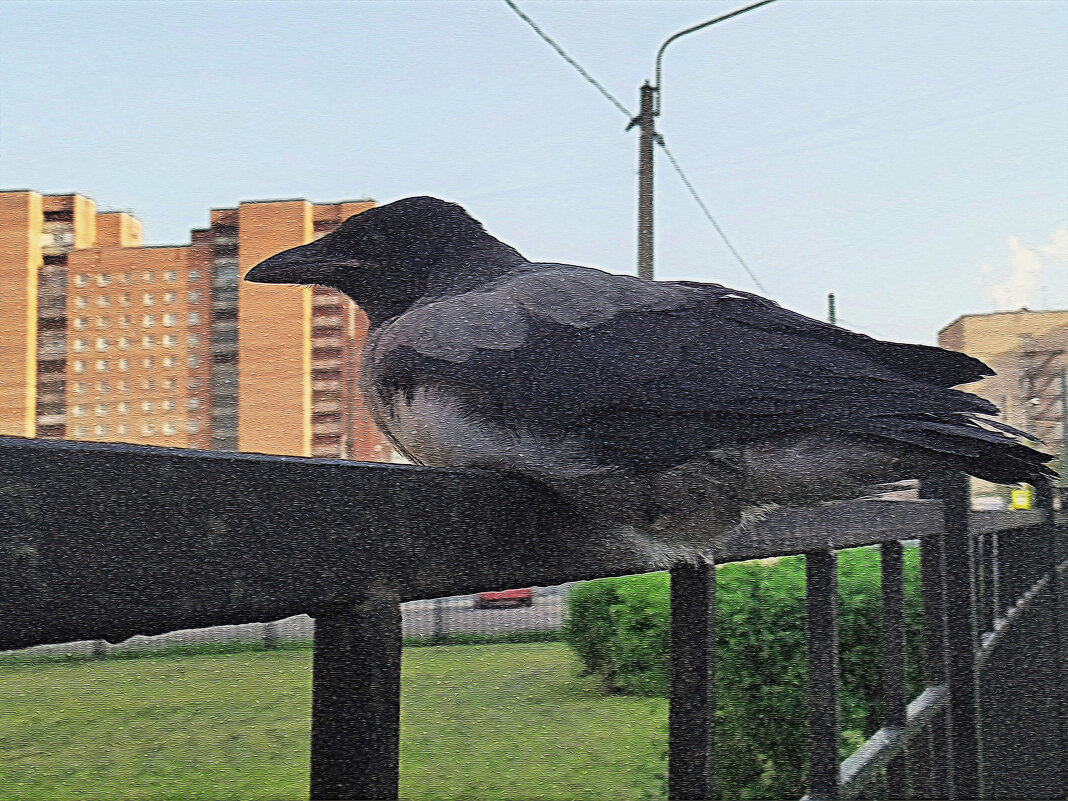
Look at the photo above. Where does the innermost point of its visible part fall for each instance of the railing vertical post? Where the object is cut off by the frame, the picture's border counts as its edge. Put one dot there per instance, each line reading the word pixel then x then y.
pixel 1054 549
pixel 959 595
pixel 893 614
pixel 821 579
pixel 996 601
pixel 692 711
pixel 934 661
pixel 355 734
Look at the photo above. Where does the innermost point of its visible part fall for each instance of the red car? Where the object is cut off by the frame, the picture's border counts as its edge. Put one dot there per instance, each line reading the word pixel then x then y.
pixel 523 597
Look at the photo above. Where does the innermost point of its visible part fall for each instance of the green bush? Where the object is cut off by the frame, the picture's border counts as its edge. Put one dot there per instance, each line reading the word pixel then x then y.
pixel 620 629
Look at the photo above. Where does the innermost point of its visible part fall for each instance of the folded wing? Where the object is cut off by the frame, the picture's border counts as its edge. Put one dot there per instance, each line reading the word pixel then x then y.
pixel 652 374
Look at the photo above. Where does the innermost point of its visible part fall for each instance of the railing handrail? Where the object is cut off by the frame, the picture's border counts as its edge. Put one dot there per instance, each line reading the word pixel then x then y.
pixel 307 532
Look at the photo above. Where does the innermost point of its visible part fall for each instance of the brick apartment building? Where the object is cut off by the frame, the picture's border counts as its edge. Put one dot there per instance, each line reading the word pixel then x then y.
pixel 104 339
pixel 1029 351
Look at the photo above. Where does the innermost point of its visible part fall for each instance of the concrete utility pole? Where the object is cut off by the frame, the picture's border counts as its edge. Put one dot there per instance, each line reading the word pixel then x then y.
pixel 646 124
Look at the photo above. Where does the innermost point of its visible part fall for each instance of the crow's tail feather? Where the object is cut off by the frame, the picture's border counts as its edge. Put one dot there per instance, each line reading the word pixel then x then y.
pixel 986 449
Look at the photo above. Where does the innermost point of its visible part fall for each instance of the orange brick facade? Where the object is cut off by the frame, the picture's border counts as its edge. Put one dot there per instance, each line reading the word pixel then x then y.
pixel 103 339
pixel 21 214
pixel 137 345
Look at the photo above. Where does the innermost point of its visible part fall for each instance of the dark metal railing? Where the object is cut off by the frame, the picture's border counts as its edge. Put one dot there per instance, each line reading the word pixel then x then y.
pixel 991 721
pixel 102 541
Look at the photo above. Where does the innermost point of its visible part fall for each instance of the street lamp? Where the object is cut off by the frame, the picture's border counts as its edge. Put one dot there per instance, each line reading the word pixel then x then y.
pixel 649 110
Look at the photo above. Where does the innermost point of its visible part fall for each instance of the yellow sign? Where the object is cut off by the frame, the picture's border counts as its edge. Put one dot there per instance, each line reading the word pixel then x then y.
pixel 1021 498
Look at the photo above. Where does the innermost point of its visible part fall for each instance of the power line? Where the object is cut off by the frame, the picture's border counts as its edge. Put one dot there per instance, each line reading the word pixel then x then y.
pixel 589 78
pixel 708 214
pixel 660 140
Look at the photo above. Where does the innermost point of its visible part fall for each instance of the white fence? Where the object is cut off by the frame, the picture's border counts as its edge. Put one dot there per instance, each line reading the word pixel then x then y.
pixel 439 617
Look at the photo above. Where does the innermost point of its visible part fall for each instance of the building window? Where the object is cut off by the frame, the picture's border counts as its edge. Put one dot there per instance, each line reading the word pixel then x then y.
pixel 77 388
pixel 103 322
pixel 81 302
pixel 194 361
pixel 169 297
pixel 102 343
pixel 148 383
pixel 125 319
pixel 103 301
pixel 194 318
pixel 148 321
pixel 101 409
pixel 194 383
pixel 194 339
pixel 79 323
pixel 170 275
pixel 124 342
pixel 79 431
pixel 147 364
pixel 79 366
pixel 126 278
pixel 103 386
pixel 101 365
pixel 81 280
pixel 148 342
pixel 122 428
pixel 170 340
pixel 124 364
pixel 123 408
pixel 146 406
pixel 123 386
pixel 170 428
pixel 148 298
pixel 168 361
pixel 101 430
pixel 194 297
pixel 148 277
pixel 167 405
pixel 124 299
pixel 170 319
pixel 192 427
pixel 103 279
pixel 78 344
pixel 194 403
pixel 78 411
pixel 194 275
pixel 148 428
pixel 167 383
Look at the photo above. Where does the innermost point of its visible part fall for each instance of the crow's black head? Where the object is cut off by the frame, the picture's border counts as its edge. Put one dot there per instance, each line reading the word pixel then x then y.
pixel 383 258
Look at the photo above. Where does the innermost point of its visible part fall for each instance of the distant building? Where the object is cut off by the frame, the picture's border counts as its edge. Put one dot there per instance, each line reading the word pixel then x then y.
pixel 104 339
pixel 1028 350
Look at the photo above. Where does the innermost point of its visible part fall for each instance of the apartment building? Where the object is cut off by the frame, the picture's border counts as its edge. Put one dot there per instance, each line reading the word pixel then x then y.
pixel 1027 349
pixel 104 339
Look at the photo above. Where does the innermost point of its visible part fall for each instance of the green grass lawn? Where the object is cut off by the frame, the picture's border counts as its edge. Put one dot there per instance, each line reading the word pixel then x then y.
pixel 493 722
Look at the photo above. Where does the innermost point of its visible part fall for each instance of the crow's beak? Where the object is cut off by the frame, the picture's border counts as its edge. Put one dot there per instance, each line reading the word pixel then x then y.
pixel 306 264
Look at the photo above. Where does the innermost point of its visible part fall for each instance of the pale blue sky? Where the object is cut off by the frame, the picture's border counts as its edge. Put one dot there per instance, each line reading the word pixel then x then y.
pixel 905 155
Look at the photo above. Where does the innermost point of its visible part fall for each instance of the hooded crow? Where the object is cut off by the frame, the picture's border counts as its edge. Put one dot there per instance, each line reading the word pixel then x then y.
pixel 674 410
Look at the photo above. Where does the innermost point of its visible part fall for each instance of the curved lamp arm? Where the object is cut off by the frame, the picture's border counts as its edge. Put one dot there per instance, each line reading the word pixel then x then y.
pixel 699 26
